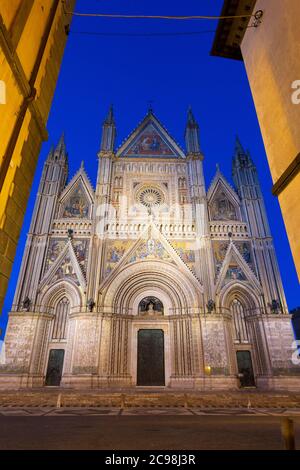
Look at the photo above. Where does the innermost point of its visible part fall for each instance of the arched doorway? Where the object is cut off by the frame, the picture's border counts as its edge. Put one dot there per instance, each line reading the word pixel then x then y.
pixel 241 336
pixel 245 368
pixel 57 343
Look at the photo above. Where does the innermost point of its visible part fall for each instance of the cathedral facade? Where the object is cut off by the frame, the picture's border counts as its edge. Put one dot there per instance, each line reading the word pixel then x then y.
pixel 149 280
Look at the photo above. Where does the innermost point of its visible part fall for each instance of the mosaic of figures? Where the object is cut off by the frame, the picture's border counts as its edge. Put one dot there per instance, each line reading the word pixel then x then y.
pixel 115 251
pixel 150 249
pixel 246 252
pixel 234 272
pixel 77 205
pixel 186 253
pixel 222 208
pixel 220 249
pixel 56 246
pixel 149 142
pixel 66 271
pixel 81 248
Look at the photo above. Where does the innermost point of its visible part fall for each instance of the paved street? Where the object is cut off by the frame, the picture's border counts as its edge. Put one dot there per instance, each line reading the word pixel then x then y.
pixel 134 429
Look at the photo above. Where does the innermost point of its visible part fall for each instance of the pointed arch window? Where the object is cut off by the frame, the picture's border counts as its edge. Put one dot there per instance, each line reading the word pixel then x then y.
pixel 238 311
pixel 59 330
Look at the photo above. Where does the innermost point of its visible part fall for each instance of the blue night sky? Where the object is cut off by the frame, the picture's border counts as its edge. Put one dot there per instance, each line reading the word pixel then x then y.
pixel 173 72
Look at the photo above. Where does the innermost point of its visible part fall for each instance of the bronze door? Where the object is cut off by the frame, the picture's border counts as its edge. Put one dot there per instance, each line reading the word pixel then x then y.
pixel 245 368
pixel 151 360
pixel 55 367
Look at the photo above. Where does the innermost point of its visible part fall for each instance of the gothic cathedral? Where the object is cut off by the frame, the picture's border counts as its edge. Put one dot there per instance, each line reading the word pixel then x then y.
pixel 149 280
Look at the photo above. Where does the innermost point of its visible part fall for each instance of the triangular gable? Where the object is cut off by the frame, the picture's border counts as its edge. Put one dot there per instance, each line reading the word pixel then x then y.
pixel 219 182
pixel 66 267
pixel 150 139
pixel 223 201
pixel 235 268
pixel 152 245
pixel 77 198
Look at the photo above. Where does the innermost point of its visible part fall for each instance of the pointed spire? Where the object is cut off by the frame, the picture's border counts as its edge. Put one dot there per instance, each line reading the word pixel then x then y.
pixel 61 146
pixel 108 132
pixel 241 157
pixel 191 122
pixel 51 153
pixel 110 116
pixel 192 134
pixel 239 149
pixel 60 150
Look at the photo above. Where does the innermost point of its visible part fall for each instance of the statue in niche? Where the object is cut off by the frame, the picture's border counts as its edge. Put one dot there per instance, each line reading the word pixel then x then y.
pixel 150 308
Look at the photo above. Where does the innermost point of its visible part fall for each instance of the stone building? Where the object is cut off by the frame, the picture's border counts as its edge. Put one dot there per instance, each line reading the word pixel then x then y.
pixel 269 38
pixel 33 34
pixel 149 279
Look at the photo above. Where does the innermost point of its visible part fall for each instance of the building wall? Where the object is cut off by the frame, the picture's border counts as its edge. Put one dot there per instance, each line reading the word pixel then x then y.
pixel 271 54
pixel 30 75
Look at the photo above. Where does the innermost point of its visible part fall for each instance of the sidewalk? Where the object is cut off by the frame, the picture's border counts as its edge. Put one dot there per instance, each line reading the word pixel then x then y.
pixel 57 397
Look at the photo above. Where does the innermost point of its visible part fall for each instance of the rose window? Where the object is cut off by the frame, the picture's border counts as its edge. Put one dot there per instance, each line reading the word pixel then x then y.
pixel 150 197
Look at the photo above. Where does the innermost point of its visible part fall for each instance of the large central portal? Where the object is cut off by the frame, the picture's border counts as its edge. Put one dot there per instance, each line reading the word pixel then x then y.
pixel 151 361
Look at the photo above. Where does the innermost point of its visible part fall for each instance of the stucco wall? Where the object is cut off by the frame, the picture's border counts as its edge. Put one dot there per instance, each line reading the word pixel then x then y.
pixel 271 54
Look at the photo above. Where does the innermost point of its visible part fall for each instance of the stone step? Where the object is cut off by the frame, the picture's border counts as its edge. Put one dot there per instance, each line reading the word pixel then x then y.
pixel 54 398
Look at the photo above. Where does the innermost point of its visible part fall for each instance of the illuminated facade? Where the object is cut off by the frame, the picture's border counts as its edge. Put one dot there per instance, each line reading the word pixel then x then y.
pixel 149 279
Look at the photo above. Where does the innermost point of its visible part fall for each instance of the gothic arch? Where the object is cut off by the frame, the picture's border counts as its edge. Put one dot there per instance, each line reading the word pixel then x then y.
pixel 53 294
pixel 242 291
pixel 166 280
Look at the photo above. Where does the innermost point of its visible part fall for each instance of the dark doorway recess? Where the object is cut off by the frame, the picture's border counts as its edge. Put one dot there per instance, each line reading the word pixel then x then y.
pixel 245 368
pixel 151 360
pixel 55 367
